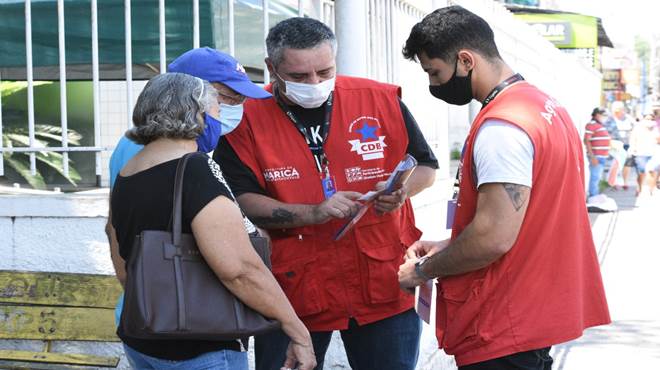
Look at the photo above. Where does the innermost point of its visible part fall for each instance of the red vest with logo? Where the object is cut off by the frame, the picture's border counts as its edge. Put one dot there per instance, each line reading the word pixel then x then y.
pixel 329 282
pixel 547 289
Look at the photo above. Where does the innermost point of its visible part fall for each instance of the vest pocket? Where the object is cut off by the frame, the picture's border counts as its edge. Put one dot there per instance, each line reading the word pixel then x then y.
pixel 382 265
pixel 460 312
pixel 300 284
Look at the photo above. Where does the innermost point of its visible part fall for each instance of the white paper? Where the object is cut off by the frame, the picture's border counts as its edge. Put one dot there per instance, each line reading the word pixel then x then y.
pixel 424 300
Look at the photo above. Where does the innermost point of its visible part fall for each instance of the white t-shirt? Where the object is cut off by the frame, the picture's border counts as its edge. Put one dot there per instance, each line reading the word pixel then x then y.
pixel 503 153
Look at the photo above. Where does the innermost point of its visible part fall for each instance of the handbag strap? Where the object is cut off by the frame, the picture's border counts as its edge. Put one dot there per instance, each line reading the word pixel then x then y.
pixel 177 212
pixel 177 204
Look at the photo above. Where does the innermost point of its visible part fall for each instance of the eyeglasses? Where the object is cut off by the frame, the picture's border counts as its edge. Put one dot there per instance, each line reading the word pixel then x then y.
pixel 231 99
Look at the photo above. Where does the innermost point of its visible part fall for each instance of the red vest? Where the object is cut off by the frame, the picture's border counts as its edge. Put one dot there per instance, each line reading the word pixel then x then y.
pixel 547 289
pixel 356 277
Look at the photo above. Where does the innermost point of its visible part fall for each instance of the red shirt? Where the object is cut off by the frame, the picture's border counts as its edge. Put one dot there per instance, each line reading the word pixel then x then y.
pixel 598 137
pixel 330 282
pixel 547 289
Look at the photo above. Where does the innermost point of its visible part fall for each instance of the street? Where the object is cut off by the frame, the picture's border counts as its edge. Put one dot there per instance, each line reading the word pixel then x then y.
pixel 627 243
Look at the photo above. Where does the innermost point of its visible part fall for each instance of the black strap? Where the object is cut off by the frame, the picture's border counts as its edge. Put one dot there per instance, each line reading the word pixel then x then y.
pixel 325 129
pixel 493 93
pixel 501 86
pixel 178 198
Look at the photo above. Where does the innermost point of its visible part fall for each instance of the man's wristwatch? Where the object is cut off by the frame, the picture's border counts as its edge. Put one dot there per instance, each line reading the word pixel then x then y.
pixel 418 268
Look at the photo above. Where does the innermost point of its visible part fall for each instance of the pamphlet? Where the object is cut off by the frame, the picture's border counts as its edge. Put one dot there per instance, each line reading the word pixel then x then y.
pixel 397 178
pixel 424 300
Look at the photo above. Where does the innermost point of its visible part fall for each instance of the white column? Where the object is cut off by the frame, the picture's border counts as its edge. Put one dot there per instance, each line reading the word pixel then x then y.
pixel 350 17
pixel 439 4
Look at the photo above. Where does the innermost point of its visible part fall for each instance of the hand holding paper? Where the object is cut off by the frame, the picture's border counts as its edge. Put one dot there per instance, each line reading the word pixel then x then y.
pixel 391 202
pixel 390 197
pixel 342 204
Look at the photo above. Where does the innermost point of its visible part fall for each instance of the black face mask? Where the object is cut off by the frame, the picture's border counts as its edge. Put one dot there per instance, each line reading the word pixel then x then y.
pixel 457 91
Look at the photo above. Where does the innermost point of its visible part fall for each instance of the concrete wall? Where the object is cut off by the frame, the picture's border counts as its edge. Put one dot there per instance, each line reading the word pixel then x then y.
pixel 113 118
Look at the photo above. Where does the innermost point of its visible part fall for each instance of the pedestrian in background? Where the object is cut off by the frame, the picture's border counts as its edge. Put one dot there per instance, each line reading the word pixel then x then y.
pixel 597 146
pixel 643 142
pixel 519 273
pixel 620 125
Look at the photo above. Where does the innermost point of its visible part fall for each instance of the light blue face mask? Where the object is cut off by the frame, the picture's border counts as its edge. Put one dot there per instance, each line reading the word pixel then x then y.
pixel 230 117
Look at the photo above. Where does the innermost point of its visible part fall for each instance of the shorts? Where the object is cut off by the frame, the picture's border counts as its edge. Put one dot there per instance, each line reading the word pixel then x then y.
pixel 653 165
pixel 640 162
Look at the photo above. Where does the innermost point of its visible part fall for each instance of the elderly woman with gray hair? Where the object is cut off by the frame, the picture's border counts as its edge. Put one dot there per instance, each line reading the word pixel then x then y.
pixel 170 113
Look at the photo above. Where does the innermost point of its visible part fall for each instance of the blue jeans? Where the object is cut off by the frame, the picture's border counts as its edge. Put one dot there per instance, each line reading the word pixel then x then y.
pixel 391 343
pixel 217 360
pixel 596 172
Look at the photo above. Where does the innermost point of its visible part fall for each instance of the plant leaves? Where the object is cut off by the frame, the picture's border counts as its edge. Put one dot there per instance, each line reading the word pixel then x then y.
pixel 24 140
pixel 44 135
pixel 56 161
pixel 55 133
pixel 10 87
pixel 23 169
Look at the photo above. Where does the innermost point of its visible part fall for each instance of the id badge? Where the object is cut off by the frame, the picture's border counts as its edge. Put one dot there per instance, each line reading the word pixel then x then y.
pixel 451 212
pixel 328 185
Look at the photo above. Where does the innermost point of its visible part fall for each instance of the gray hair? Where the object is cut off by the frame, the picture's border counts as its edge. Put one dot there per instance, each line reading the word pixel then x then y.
pixel 297 33
pixel 171 106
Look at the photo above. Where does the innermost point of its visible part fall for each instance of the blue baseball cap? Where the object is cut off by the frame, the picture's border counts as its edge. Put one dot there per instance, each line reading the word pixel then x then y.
pixel 215 66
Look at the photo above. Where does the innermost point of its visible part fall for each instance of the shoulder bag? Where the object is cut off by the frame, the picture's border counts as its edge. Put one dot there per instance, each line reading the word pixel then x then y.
pixel 171 292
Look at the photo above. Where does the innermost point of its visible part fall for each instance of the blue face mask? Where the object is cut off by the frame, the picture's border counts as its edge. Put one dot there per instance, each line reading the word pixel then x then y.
pixel 207 141
pixel 230 117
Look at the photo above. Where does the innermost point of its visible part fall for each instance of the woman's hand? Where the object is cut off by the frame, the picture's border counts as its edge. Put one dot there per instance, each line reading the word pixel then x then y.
pixel 300 356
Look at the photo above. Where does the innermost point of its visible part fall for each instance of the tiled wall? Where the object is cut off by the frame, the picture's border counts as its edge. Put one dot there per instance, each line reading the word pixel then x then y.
pixel 113 117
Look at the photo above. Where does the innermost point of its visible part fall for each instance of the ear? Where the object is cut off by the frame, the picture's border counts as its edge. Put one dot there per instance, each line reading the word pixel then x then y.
pixel 269 65
pixel 467 59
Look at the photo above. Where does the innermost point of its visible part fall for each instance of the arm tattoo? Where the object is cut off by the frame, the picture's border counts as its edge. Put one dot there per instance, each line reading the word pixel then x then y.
pixel 279 216
pixel 516 195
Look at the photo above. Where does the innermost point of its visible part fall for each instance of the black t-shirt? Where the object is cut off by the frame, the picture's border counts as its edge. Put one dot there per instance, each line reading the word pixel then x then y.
pixel 143 201
pixel 243 180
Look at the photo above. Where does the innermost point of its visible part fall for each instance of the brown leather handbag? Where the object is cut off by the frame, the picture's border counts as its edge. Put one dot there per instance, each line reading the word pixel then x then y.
pixel 172 293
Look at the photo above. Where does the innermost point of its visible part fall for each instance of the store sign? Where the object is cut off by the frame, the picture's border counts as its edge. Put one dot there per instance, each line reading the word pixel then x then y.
pixel 612 80
pixel 559 33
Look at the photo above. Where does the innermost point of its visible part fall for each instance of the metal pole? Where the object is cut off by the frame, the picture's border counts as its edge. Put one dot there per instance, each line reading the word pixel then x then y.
pixel 30 81
pixel 351 37
pixel 388 39
pixel 25 149
pixel 195 24
pixel 63 111
pixel 162 33
pixel 96 91
pixel 301 8
pixel 129 62
pixel 266 29
pixel 371 59
pixel 230 15
pixel 2 163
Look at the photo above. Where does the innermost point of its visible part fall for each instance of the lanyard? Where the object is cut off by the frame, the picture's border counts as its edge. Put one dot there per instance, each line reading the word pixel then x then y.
pixel 317 149
pixel 501 86
pixel 498 89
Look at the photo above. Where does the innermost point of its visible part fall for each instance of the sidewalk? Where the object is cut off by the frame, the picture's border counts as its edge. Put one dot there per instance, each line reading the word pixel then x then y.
pixel 627 243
